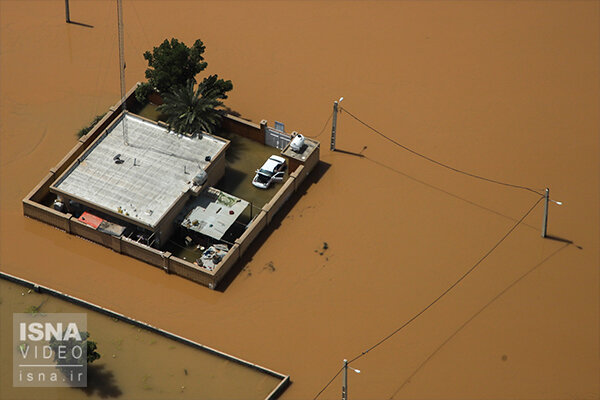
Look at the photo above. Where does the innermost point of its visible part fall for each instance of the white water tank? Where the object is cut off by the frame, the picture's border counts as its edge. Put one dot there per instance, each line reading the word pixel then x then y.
pixel 297 143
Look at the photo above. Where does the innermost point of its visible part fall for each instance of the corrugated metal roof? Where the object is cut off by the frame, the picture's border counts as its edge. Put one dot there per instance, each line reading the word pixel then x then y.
pixel 90 219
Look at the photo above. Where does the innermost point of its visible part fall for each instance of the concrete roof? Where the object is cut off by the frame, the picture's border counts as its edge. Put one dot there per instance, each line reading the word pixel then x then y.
pixel 309 146
pixel 213 212
pixel 165 163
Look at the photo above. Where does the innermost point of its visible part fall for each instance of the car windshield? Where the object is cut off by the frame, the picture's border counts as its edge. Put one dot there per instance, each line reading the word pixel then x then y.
pixel 260 177
pixel 265 172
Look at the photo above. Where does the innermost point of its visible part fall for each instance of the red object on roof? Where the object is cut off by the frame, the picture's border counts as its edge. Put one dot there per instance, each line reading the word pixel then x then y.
pixel 90 219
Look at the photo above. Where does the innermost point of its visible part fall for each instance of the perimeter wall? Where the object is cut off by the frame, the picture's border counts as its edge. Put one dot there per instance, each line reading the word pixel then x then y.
pixel 33 207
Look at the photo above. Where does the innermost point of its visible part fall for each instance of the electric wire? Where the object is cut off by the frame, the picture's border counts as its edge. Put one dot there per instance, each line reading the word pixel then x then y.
pixel 465 323
pixel 438 162
pixel 469 271
pixel 329 383
pixel 323 129
pixel 507 234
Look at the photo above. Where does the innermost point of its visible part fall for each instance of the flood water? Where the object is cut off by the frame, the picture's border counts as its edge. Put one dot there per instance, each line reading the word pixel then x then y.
pixel 504 89
pixel 127 366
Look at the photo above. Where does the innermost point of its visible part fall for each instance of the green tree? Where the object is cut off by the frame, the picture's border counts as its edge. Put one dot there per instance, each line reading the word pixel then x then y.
pixel 170 66
pixel 69 354
pixel 69 359
pixel 192 111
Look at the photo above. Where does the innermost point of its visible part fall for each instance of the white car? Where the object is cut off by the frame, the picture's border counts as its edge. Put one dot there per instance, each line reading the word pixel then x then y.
pixel 272 170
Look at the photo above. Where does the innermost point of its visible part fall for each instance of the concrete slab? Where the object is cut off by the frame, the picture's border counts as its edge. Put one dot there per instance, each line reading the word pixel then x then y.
pixel 144 179
pixel 213 212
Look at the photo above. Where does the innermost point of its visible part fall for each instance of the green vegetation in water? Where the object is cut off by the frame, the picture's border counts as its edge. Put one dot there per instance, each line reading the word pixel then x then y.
pixel 84 131
pixel 65 363
pixel 146 382
pixel 35 309
pixel 270 266
pixel 118 344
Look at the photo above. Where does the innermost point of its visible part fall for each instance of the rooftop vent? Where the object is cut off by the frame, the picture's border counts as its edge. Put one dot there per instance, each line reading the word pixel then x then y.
pixel 200 178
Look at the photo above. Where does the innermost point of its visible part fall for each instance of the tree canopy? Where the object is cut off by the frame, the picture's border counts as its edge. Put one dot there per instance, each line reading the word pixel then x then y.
pixel 172 64
pixel 172 70
pixel 192 111
pixel 70 359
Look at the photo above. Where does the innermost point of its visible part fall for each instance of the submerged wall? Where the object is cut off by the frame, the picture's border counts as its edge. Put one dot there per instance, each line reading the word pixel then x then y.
pixel 284 379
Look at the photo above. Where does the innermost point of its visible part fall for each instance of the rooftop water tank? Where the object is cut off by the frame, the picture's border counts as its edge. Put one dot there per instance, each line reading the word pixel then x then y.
pixel 297 143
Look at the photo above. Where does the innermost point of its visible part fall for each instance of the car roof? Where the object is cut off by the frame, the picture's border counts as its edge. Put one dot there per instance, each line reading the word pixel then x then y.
pixel 277 158
pixel 272 163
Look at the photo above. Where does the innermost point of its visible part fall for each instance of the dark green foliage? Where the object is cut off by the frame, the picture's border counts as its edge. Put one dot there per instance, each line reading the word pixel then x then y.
pixel 192 111
pixel 172 68
pixel 142 92
pixel 216 88
pixel 84 131
pixel 172 64
pixel 92 354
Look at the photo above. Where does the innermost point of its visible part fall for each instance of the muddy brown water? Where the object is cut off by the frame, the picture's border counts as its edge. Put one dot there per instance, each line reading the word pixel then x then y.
pixel 127 366
pixel 504 89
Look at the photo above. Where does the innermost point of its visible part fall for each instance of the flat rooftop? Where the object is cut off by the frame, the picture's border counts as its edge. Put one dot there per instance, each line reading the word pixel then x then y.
pixel 213 212
pixel 309 146
pixel 149 174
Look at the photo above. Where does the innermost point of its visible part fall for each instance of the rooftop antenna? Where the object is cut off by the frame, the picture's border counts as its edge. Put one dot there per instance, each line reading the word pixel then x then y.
pixel 122 68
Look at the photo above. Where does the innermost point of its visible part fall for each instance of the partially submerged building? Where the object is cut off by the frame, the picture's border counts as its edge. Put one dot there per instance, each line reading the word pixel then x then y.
pixel 131 183
pixel 141 174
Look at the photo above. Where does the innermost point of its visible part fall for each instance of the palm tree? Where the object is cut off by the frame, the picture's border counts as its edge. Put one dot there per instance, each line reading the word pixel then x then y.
pixel 193 111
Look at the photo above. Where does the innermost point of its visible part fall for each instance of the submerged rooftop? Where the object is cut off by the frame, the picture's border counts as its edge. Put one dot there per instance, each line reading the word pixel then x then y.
pixel 142 179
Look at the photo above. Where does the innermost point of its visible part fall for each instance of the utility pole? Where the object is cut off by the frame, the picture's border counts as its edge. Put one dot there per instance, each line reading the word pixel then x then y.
pixel 545 223
pixel 122 66
pixel 67 12
pixel 345 372
pixel 334 123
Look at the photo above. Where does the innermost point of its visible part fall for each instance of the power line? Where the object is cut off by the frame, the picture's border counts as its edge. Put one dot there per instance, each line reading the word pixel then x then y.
pixel 464 324
pixel 438 162
pixel 380 342
pixel 451 286
pixel 328 383
pixel 323 129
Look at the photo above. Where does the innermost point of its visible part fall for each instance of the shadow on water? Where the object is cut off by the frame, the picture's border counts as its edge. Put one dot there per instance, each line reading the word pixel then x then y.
pixel 234 179
pixel 559 239
pixel 230 111
pixel 468 321
pixel 101 382
pixel 429 185
pixel 351 153
pixel 80 24
pixel 236 147
pixel 315 176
